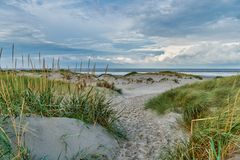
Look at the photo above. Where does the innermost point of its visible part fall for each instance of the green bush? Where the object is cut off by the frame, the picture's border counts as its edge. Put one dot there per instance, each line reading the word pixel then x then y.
pixel 194 100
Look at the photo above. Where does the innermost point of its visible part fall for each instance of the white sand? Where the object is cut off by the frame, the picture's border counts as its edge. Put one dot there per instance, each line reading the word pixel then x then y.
pixel 147 132
pixel 65 138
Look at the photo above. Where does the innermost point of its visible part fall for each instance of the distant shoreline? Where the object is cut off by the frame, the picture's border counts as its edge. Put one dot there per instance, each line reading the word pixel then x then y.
pixel 201 72
pixel 205 73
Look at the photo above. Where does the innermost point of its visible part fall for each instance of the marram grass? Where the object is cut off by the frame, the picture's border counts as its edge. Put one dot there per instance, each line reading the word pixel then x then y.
pixel 212 138
pixel 197 100
pixel 26 96
pixel 211 112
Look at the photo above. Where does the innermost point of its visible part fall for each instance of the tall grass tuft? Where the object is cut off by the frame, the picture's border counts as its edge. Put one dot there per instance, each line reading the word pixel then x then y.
pixel 214 138
pixel 13 53
pixel 105 84
pixel 26 96
pixel 53 98
pixel 197 100
pixel 211 113
pixel 1 51
pixel 12 148
pixel 22 96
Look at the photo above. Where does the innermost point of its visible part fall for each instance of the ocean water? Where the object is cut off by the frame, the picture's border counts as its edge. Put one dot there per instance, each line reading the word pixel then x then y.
pixel 201 72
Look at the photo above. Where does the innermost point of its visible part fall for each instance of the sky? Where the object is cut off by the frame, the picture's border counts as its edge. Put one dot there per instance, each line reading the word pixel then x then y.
pixel 124 33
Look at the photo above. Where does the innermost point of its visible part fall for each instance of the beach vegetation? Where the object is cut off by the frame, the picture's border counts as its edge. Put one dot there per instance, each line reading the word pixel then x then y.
pixel 210 112
pixel 130 74
pixel 32 96
pixel 106 84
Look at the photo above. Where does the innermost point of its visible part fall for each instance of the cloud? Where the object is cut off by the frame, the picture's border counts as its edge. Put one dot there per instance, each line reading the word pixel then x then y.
pixel 183 18
pixel 59 21
pixel 201 55
pixel 210 54
pixel 137 32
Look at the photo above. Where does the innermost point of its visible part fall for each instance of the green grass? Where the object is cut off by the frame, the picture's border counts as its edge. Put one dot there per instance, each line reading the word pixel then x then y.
pixel 52 98
pixel 111 86
pixel 131 73
pixel 213 138
pixel 179 75
pixel 198 99
pixel 211 112
pixel 26 96
pixel 166 73
pixel 109 75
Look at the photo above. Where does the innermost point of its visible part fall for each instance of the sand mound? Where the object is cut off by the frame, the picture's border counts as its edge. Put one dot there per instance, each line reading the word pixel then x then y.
pixel 65 138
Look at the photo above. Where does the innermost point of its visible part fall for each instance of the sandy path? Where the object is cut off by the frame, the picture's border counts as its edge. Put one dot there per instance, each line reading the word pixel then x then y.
pixel 147 132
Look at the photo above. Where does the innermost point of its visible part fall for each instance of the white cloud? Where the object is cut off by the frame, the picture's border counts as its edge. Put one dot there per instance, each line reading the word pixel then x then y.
pixel 61 21
pixel 156 32
pixel 204 53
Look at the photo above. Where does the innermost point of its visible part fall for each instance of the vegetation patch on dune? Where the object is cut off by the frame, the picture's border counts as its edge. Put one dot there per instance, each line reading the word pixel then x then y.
pixel 27 96
pixel 211 113
pixel 199 99
pixel 215 137
pixel 179 75
pixel 53 98
pixel 130 74
pixel 166 73
pixel 111 86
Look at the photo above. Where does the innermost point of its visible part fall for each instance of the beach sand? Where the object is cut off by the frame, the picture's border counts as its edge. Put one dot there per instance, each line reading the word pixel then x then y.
pixel 148 133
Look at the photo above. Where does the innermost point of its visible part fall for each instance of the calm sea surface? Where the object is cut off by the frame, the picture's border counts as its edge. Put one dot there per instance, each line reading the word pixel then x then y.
pixel 201 72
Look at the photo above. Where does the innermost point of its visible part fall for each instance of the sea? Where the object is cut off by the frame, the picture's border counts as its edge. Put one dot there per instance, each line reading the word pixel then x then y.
pixel 200 72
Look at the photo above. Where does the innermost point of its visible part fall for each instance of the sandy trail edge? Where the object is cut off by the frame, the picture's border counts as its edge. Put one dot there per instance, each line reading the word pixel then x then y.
pixel 147 132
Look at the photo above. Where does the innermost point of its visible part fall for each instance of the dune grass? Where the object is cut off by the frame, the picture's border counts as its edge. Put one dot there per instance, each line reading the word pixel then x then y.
pixel 131 74
pixel 197 100
pixel 214 138
pixel 27 96
pixel 111 86
pixel 166 73
pixel 52 98
pixel 179 75
pixel 211 113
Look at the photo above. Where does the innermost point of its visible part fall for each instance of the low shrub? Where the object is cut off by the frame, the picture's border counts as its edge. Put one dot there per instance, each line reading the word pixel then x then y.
pixel 131 73
pixel 111 86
